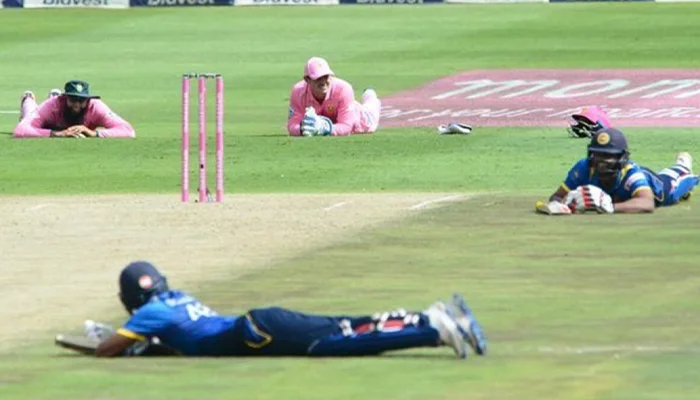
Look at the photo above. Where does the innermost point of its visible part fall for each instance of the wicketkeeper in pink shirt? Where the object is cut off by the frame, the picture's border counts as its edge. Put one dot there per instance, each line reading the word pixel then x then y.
pixel 75 113
pixel 324 105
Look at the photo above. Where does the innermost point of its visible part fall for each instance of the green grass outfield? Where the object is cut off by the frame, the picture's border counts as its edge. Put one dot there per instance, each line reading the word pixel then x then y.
pixel 602 285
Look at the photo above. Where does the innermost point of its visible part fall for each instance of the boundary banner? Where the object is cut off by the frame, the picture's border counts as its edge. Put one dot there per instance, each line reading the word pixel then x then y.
pixel 286 2
pixel 600 1
pixel 180 3
pixel 494 1
pixel 76 3
pixel 392 2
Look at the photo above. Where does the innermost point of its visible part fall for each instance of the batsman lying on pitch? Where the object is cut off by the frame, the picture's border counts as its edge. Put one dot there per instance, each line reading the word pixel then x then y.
pixel 607 181
pixel 75 113
pixel 323 105
pixel 162 318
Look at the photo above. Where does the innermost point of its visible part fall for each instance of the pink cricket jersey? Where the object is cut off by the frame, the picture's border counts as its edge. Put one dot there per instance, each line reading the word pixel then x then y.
pixel 339 105
pixel 49 116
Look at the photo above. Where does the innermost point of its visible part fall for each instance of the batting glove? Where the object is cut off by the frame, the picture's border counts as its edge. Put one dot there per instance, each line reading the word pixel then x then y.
pixel 596 199
pixel 589 198
pixel 574 200
pixel 97 330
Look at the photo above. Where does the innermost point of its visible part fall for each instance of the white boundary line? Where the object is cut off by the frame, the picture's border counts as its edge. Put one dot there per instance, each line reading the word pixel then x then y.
pixel 37 207
pixel 434 201
pixel 334 206
pixel 584 350
pixel 9 112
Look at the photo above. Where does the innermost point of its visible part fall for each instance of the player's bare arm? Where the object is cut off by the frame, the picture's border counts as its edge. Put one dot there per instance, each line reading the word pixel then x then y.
pixel 642 202
pixel 115 345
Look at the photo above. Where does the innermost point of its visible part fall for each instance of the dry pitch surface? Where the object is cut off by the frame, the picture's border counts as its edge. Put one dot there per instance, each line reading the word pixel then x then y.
pixel 61 256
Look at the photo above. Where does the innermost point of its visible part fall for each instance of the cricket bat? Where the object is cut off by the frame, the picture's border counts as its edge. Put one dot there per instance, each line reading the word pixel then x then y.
pixel 552 208
pixel 79 344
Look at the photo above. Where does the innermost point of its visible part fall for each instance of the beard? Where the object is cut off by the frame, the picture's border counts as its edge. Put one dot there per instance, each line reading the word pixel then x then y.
pixel 71 118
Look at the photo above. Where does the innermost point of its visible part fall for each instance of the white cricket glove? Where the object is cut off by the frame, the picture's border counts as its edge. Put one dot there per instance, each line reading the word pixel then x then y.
pixel 455 128
pixel 590 198
pixel 554 207
pixel 315 125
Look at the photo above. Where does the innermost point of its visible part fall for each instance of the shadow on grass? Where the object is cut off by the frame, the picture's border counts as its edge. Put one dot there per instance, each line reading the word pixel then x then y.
pixel 393 356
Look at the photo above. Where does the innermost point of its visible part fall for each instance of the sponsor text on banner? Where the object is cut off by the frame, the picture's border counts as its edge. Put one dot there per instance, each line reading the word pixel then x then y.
pixel 180 3
pixel 407 2
pixel 286 2
pixel 76 3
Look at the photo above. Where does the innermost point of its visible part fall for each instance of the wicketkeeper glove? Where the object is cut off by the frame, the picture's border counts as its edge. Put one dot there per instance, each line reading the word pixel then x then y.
pixel 315 125
pixel 308 123
pixel 324 125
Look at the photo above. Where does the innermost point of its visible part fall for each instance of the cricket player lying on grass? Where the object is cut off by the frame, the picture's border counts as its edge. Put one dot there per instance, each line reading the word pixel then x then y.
pixel 323 105
pixel 75 113
pixel 607 181
pixel 174 322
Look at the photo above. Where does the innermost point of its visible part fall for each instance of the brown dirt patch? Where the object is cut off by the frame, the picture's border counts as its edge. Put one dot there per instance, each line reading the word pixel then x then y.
pixel 61 256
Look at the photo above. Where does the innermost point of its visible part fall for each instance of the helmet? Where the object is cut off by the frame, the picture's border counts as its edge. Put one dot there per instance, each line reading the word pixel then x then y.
pixel 138 282
pixel 607 151
pixel 587 122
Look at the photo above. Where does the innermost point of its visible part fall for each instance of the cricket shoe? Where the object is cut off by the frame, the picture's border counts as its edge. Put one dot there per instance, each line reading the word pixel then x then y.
pixel 447 328
pixel 454 128
pixel 54 93
pixel 368 93
pixel 468 326
pixel 26 95
pixel 684 159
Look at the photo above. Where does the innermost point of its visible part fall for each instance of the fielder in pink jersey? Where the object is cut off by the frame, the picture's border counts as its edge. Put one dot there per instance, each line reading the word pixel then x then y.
pixel 75 113
pixel 324 105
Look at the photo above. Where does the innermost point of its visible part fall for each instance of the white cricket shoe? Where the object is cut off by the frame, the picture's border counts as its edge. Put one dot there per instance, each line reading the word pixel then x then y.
pixel 26 95
pixel 54 93
pixel 369 93
pixel 686 160
pixel 447 328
